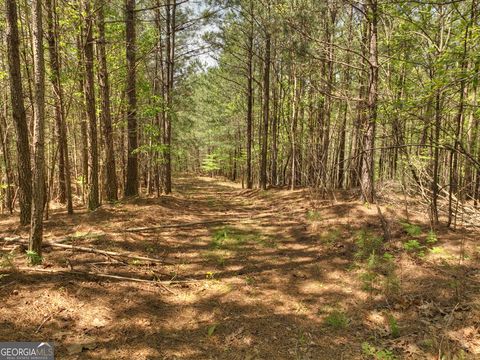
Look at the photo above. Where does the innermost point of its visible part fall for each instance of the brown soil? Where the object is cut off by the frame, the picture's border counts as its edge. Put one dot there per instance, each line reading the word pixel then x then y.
pixel 279 280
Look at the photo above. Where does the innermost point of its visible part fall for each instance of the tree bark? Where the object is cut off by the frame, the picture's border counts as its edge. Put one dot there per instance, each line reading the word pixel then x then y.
pixel 131 185
pixel 65 189
pixel 18 114
pixel 250 100
pixel 368 170
pixel 266 113
pixel 89 88
pixel 171 9
pixel 38 195
pixel 111 188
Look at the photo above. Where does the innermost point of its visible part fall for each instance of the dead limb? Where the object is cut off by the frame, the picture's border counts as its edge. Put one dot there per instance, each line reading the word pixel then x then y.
pixel 159 283
pixel 91 250
pixel 48 318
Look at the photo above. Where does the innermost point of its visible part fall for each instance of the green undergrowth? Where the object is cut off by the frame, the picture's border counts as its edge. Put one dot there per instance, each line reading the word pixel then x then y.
pixel 227 241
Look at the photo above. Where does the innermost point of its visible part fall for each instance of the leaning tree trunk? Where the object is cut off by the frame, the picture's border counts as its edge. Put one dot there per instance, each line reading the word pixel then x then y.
pixel 38 195
pixel 18 114
pixel 131 186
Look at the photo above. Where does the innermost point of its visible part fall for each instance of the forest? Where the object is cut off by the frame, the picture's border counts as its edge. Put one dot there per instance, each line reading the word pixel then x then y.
pixel 241 179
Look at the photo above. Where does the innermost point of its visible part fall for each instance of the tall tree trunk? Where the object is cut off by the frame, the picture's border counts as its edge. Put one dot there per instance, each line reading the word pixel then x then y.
pixel 18 114
pixel 250 100
pixel 454 172
pixel 275 122
pixel 5 140
pixel 171 10
pixel 436 159
pixel 131 185
pixel 266 113
pixel 38 195
pixel 83 116
pixel 329 78
pixel 343 126
pixel 293 131
pixel 93 193
pixel 111 188
pixel 65 189
pixel 368 170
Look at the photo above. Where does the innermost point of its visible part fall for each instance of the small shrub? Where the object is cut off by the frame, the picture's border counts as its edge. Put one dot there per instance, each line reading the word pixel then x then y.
pixel 211 330
pixel 411 229
pixel 437 250
pixel 367 244
pixel 314 215
pixel 412 245
pixel 431 237
pixel 232 239
pixel 388 263
pixel 217 256
pixel 391 286
pixel 249 280
pixel 368 280
pixel 6 261
pixel 337 320
pixel 331 236
pixel 377 354
pixel 34 258
pixel 393 326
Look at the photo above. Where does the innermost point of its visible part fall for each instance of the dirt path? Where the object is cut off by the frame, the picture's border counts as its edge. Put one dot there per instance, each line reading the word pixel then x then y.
pixel 271 280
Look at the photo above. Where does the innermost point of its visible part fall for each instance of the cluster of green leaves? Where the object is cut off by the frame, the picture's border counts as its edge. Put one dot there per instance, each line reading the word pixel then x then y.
pixel 33 257
pixel 337 320
pixel 377 354
pixel 378 266
pixel 367 244
pixel 419 245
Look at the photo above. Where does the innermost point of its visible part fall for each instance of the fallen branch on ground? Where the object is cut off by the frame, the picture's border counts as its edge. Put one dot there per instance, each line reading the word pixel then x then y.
pixel 108 276
pixel 48 318
pixel 91 250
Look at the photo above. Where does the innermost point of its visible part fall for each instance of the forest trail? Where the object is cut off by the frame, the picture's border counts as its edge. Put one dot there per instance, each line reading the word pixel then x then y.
pixel 253 275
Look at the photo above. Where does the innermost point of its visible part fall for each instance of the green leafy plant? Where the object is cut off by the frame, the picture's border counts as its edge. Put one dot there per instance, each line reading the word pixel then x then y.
pixel 337 319
pixel 431 237
pixel 412 245
pixel 437 250
pixel 231 238
pixel 217 256
pixel 368 280
pixel 6 261
pixel 367 244
pixel 313 215
pixel 249 280
pixel 331 236
pixel 377 354
pixel 411 229
pixel 33 257
pixel 391 285
pixel 210 163
pixel 211 330
pixel 393 325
